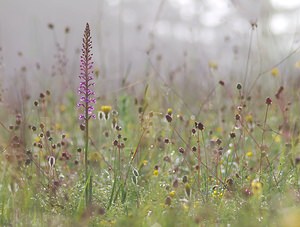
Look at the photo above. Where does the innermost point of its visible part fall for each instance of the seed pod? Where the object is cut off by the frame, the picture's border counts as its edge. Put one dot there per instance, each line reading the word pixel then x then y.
pixel 51 161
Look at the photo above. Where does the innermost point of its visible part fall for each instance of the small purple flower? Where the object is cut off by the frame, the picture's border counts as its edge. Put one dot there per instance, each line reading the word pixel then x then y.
pixel 87 99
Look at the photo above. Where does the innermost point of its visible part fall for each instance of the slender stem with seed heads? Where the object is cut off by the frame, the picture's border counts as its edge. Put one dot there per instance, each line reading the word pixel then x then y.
pixel 262 140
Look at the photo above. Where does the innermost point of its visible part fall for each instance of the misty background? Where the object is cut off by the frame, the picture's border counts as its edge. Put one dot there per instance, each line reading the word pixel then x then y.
pixel 188 43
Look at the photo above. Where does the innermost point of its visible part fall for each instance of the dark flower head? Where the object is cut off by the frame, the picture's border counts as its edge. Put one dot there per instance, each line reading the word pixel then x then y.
pixel 268 101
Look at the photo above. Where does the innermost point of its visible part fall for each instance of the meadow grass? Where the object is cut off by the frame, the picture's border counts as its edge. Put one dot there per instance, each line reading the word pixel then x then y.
pixel 229 158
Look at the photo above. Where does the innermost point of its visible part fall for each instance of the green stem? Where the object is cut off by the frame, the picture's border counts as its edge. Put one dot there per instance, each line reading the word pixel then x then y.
pixel 88 184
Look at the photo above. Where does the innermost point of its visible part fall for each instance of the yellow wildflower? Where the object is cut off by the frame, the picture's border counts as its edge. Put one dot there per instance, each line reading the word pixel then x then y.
pixel 95 156
pixel 256 187
pixel 155 172
pixel 106 109
pixel 104 112
pixel 62 108
pixel 57 126
pixel 213 65
pixel 219 129
pixel 145 162
pixel 277 138
pixel 185 207
pixel 37 139
pixel 97 72
pixel 249 154
pixel 172 194
pixel 275 72
pixel 249 118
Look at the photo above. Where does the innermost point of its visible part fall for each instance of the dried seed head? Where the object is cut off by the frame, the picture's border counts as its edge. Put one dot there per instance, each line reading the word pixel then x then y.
pixel 268 101
pixel 297 160
pixel 229 182
pixel 82 127
pixel 167 159
pixel 184 179
pixel 181 150
pixel 42 95
pixel 193 131
pixel 168 201
pixel 67 30
pixel 169 118
pixel 175 183
pixel 118 128
pixel 36 103
pixel 51 161
pixel 239 86
pixel 232 135
pixel 122 145
pixel 50 26
pixel 200 126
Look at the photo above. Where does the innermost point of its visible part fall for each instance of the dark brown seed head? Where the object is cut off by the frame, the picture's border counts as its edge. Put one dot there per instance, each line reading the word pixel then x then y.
pixel 175 183
pixel 82 127
pixel 181 150
pixel 194 148
pixel 193 131
pixel 115 143
pixel 169 118
pixel 232 135
pixel 297 160
pixel 268 101
pixel 200 126
pixel 168 201
pixel 50 26
pixel 184 179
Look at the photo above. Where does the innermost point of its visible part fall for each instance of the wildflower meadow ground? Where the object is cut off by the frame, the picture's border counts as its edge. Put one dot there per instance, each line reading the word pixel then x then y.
pixel 162 154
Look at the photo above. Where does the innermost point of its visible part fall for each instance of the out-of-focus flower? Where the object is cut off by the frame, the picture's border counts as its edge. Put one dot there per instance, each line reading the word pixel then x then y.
pixel 249 154
pixel 104 112
pixel 155 172
pixel 275 72
pixel 256 187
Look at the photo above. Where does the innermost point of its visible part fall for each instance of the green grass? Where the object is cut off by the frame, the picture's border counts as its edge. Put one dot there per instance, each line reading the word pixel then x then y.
pixel 242 172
